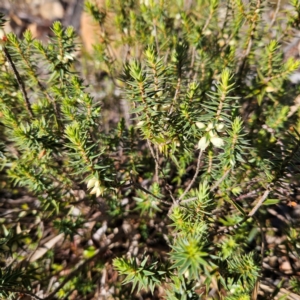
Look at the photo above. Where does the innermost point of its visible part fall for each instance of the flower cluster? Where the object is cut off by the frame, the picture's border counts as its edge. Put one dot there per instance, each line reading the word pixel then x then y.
pixel 211 135
pixel 66 58
pixel 95 185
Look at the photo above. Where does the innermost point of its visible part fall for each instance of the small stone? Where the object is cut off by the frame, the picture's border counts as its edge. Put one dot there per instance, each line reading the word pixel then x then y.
pixel 273 261
pixel 51 10
pixel 285 266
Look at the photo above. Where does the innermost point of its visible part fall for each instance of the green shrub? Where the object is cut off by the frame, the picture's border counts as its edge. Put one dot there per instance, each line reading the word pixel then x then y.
pixel 179 195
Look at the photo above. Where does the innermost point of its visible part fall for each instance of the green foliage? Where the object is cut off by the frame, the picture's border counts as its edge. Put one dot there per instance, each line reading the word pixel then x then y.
pixel 182 155
pixel 189 256
pixel 244 268
pixel 13 280
pixel 143 275
pixel 147 203
pixel 295 284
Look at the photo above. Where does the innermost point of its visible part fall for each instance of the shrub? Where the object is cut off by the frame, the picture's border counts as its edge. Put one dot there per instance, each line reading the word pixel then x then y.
pixel 187 191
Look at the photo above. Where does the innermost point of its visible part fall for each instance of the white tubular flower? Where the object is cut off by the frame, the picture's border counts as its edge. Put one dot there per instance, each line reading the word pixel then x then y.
pixel 66 57
pixel 91 182
pixel 96 186
pixel 209 127
pixel 159 93
pixel 217 142
pixel 220 127
pixel 200 125
pixel 165 107
pixel 145 2
pixel 69 56
pixel 207 32
pixel 212 133
pixel 270 89
pixel 203 143
pixel 98 190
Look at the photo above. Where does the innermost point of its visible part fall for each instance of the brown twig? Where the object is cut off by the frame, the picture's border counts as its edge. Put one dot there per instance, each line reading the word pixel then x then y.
pixel 188 200
pixel 177 92
pixel 150 193
pixel 211 13
pixel 155 160
pixel 220 181
pixel 194 178
pixel 159 169
pixel 247 49
pixel 276 13
pixel 139 187
pixel 211 189
pixel 176 202
pixel 247 195
pixel 20 82
pixel 259 203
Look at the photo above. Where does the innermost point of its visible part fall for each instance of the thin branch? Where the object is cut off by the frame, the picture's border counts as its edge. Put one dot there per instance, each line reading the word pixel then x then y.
pixel 275 13
pixel 259 203
pixel 243 58
pixel 250 214
pixel 139 187
pixel 188 200
pixel 155 35
pixel 170 193
pixel 157 166
pixel 208 20
pixel 176 202
pixel 262 252
pixel 220 181
pixel 20 82
pixel 177 91
pixel 194 178
pixel 192 62
pixel 155 160
pixel 211 189
pixel 157 169
pixel 241 197
pixel 150 193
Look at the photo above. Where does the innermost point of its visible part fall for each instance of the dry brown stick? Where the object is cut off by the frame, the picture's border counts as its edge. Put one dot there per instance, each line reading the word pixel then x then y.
pixel 177 92
pixel 20 82
pixel 259 203
pixel 247 195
